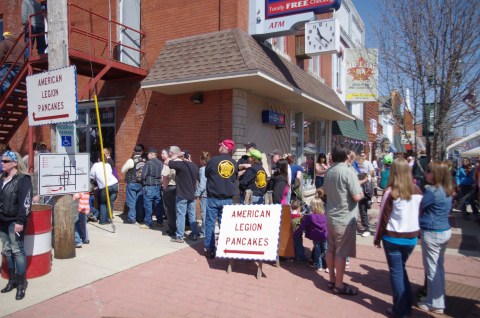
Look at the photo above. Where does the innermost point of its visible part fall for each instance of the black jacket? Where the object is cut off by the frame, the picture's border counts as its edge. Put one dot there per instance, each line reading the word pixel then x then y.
pixel 278 184
pixel 221 172
pixel 16 199
pixel 255 179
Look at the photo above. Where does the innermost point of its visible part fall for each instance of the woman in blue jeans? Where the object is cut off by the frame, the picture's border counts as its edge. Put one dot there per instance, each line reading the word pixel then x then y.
pixel 398 229
pixel 436 206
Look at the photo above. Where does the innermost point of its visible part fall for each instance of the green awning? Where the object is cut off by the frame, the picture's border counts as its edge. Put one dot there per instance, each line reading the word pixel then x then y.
pixel 354 129
pixel 397 143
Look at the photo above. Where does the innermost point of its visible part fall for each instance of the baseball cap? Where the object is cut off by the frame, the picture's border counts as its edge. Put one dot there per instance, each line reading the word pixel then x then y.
pixel 255 154
pixel 250 145
pixel 229 144
pixel 152 150
pixel 6 33
pixel 388 159
pixel 276 152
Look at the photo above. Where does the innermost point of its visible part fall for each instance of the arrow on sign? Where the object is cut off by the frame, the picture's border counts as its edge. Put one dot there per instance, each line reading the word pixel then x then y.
pixel 243 252
pixel 35 118
pixel 57 189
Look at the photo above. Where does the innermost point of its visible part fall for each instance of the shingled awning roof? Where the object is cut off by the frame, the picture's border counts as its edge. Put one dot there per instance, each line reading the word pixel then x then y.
pixel 233 59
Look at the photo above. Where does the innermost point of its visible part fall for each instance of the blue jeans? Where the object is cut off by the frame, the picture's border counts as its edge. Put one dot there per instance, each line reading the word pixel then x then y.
pixel 112 192
pixel 433 252
pixel 318 254
pixel 81 233
pixel 41 43
pixel 258 199
pixel 397 256
pixel 299 249
pixel 160 211
pixel 133 192
pixel 151 198
pixel 203 206
pixel 10 76
pixel 185 207
pixel 13 247
pixel 214 212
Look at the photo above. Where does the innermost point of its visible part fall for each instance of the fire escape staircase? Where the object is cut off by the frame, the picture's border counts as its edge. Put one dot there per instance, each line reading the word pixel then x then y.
pixel 94 55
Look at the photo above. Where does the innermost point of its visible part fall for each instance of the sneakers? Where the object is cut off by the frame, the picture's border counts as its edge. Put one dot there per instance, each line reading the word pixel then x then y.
pixel 193 237
pixel 78 245
pixel 366 234
pixel 145 227
pixel 424 306
pixel 177 240
pixel 326 270
pixel 347 264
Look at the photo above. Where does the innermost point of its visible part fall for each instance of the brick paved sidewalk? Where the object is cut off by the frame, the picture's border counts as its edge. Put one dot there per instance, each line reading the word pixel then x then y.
pixel 186 284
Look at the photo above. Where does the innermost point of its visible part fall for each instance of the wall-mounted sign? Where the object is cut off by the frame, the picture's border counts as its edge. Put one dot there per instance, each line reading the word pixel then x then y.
pixel 66 138
pixel 52 97
pixel 250 232
pixel 273 118
pixel 63 173
pixel 362 75
pixel 276 8
pixel 272 18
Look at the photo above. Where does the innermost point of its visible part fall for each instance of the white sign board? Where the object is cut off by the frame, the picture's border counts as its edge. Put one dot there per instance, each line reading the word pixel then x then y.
pixel 66 138
pixel 63 173
pixel 250 232
pixel 52 97
pixel 361 82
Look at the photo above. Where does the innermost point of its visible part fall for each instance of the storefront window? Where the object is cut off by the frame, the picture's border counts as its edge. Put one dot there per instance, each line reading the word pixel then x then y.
pixel 88 134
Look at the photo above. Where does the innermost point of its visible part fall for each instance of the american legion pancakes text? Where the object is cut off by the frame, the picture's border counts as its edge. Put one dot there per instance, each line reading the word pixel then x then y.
pixel 251 227
pixel 48 93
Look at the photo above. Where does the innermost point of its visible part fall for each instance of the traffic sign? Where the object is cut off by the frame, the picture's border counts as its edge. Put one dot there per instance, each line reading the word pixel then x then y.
pixel 52 97
pixel 66 138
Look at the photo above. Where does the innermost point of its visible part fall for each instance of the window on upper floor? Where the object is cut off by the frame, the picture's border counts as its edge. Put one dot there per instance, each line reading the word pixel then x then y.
pixel 279 45
pixel 339 71
pixel 314 67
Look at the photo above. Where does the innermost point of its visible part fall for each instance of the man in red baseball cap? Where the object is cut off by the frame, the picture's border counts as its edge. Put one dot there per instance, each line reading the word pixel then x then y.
pixel 221 173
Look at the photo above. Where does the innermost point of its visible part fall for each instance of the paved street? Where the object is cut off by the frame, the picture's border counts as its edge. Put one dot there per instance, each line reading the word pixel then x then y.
pixel 140 273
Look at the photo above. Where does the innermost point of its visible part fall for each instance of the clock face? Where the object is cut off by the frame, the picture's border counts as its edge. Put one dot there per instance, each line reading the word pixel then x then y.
pixel 321 37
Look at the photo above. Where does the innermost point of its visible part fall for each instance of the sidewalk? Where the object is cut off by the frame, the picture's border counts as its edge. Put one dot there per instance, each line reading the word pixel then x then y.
pixel 140 273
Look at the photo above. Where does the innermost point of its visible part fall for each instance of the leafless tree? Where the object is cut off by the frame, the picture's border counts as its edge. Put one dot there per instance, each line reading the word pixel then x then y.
pixel 432 48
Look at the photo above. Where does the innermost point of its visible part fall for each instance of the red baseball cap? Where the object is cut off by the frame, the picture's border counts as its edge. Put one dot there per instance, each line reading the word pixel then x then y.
pixel 227 143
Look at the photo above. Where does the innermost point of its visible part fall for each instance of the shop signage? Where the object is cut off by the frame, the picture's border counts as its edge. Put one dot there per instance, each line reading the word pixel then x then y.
pixel 273 118
pixel 63 173
pixel 273 18
pixel 362 75
pixel 250 232
pixel 276 8
pixel 52 97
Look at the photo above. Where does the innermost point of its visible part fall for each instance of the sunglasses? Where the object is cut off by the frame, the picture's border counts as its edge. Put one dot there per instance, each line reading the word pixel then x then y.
pixel 7 161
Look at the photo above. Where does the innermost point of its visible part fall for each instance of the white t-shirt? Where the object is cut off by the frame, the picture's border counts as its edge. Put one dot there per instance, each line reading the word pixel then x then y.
pixel 96 173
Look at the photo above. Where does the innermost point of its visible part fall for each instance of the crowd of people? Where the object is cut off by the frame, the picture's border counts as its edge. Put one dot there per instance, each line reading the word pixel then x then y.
pixel 167 187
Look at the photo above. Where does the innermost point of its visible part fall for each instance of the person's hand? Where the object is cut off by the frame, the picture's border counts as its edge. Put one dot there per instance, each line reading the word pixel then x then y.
pixel 18 228
pixel 377 244
pixel 36 199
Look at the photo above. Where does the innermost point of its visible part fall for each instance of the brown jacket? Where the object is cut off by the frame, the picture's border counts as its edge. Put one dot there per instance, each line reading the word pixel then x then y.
pixel 6 45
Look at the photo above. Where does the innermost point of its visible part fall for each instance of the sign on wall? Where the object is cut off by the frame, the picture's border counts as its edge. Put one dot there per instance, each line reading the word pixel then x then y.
pixel 250 232
pixel 361 75
pixel 63 173
pixel 272 18
pixel 52 97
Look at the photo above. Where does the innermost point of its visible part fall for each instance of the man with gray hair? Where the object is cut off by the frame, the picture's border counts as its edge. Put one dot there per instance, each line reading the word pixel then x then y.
pixel 169 187
pixel 186 178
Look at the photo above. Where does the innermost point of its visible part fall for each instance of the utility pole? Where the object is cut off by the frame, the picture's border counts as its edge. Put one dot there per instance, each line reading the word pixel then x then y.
pixel 64 212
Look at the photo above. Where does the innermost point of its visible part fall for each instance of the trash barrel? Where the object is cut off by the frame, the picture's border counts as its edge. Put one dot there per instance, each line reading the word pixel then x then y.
pixel 38 242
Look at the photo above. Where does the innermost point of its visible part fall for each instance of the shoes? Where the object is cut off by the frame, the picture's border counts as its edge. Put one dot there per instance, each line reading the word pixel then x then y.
pixel 345 290
pixel 78 245
pixel 379 200
pixel 193 237
pixel 104 223
pixel 201 236
pixel 347 264
pixel 92 219
pixel 129 222
pixel 327 271
pixel 424 306
pixel 159 224
pixel 146 227
pixel 177 240
pixel 86 242
pixel 366 234
pixel 168 233
pixel 209 254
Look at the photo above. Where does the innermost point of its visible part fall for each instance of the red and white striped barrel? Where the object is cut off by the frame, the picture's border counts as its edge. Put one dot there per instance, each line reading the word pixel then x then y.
pixel 38 242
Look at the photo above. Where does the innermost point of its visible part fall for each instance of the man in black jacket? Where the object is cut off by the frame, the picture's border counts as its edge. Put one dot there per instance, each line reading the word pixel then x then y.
pixel 221 173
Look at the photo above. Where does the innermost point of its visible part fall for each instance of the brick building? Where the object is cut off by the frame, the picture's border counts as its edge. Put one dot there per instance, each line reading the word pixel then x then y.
pixel 186 73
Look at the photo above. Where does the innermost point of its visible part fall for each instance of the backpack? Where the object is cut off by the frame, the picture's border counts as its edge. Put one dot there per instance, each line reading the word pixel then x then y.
pixel 138 165
pixel 368 189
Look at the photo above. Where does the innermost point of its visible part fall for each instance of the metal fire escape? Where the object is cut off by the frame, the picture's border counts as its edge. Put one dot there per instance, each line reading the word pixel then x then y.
pixel 93 49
